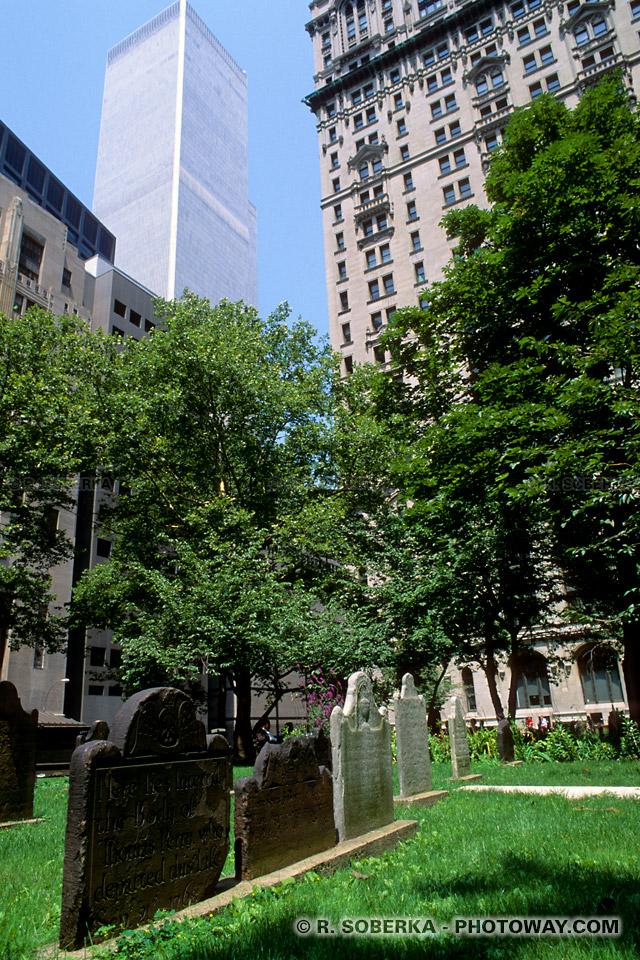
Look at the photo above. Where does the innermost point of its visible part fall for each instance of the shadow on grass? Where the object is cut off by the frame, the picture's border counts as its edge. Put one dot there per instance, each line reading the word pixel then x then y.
pixel 576 890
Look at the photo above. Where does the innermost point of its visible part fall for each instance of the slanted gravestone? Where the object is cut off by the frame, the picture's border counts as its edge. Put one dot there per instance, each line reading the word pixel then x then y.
pixel 284 812
pixel 505 742
pixel 458 739
pixel 18 730
pixel 362 762
pixel 412 740
pixel 148 817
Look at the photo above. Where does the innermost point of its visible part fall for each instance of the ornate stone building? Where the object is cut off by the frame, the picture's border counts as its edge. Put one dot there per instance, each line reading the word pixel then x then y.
pixel 411 97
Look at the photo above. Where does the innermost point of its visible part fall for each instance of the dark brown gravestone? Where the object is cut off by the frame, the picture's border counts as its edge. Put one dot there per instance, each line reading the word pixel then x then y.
pixel 148 817
pixel 505 742
pixel 284 812
pixel 18 730
pixel 99 730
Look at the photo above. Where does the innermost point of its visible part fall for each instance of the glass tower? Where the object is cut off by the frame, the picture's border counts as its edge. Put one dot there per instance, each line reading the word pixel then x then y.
pixel 172 171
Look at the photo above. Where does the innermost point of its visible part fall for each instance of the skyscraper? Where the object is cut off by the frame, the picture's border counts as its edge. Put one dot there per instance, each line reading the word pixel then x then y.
pixel 172 172
pixel 411 97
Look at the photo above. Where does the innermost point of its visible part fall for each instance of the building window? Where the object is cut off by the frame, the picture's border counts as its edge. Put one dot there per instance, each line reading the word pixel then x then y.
pixel 419 272
pixel 535 89
pixel 334 161
pixel 415 241
pixel 427 7
pixel 440 135
pixel 358 121
pixel 66 278
pixel 336 185
pixel 374 290
pixel 376 320
pixel 337 211
pixel 402 127
pixel 149 326
pixel 397 101
pixel 455 129
pixel 38 657
pixel 530 63
pixel 469 689
pixel 340 241
pixel 348 365
pixel 533 682
pixel 388 284
pixel 408 181
pixel 373 137
pixel 116 331
pixel 367 227
pixel 445 165
pixel 385 253
pixel 103 547
pixel 599 675
pixel 449 194
pixel 371 259
pixel 381 221
pixel 491 142
pixel 333 136
pixel 465 188
pixel 95 690
pixel 363 170
pixel 371 115
pixel 432 83
pixel 635 8
pixel 459 158
pixel 540 28
pixel 97 656
pixel 446 77
pixel 378 354
pixel 581 34
pixel 553 83
pixel 412 212
pixel 344 301
pixel 404 152
pixel 346 333
pixel 342 270
pixel 436 110
pixel 450 103
pixel 546 56
pixel 134 318
pixel 376 165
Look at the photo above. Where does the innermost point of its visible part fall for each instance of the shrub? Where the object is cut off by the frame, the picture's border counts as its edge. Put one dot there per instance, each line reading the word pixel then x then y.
pixel 630 740
pixel 439 748
pixel 483 743
pixel 560 745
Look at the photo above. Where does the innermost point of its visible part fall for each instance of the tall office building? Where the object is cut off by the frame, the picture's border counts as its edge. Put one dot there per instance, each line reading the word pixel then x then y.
pixel 411 98
pixel 172 172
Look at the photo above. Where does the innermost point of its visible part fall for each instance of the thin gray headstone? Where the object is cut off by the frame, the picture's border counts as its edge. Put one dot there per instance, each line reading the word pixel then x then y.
pixel 284 812
pixel 505 742
pixel 148 817
pixel 412 740
pixel 362 762
pixel 18 730
pixel 458 739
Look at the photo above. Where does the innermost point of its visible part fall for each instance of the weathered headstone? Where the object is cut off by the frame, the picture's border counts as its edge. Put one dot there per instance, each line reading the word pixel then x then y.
pixel 99 730
pixel 284 812
pixel 18 730
pixel 412 740
pixel 458 738
pixel 505 742
pixel 362 762
pixel 148 817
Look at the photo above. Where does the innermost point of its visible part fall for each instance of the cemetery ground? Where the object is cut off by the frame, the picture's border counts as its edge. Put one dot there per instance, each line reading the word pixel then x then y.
pixel 475 855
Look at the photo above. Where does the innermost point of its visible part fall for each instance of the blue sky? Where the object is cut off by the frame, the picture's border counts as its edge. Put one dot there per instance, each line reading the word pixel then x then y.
pixel 52 77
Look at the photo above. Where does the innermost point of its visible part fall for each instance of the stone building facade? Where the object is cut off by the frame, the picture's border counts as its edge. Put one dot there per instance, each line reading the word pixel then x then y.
pixel 411 97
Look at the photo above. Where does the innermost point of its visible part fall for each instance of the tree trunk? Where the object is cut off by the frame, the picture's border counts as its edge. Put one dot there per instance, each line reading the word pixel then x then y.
pixel 491 671
pixel 631 667
pixel 515 677
pixel 243 748
pixel 433 714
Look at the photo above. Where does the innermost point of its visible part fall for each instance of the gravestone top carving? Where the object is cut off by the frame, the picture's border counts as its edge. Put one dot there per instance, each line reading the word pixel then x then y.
pixel 279 764
pixel 362 762
pixel 18 730
pixel 162 721
pixel 148 817
pixel 99 730
pixel 412 740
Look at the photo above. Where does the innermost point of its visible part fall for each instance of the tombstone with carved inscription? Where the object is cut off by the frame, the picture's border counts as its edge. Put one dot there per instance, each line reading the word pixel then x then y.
pixel 284 812
pixel 18 731
pixel 362 762
pixel 412 740
pixel 148 817
pixel 458 738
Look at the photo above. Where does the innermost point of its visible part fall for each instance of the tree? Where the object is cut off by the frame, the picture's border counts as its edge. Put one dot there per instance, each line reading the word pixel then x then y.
pixel 217 429
pixel 43 444
pixel 536 327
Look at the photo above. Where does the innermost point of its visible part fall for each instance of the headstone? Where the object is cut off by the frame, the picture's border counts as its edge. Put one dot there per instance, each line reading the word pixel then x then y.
pixel 99 730
pixel 458 738
pixel 362 762
pixel 148 817
pixel 505 742
pixel 284 812
pixel 412 740
pixel 18 730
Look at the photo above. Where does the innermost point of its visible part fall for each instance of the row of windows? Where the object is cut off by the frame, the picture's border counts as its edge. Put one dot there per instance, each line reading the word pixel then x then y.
pixel 454 192
pixel 379 223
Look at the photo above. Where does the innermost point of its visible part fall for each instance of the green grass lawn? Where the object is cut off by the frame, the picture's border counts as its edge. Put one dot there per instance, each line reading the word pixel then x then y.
pixel 474 855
